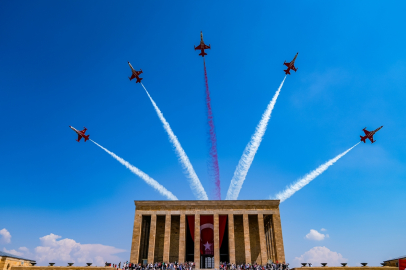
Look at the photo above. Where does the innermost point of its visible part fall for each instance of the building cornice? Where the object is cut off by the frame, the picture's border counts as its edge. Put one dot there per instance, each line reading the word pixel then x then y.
pixel 207 204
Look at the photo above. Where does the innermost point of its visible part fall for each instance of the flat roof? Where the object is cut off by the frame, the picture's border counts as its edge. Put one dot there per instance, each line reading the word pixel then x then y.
pixel 208 204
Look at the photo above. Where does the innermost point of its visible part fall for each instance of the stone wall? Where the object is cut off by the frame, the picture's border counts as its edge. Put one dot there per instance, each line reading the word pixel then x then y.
pixel 144 242
pixel 239 239
pixel 394 262
pixel 254 239
pixel 174 242
pixel 159 239
pixel 6 263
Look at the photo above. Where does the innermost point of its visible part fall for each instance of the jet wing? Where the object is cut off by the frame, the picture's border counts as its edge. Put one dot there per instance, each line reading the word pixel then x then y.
pixel 366 131
pixel 294 68
pixel 206 47
pixel 79 137
pixel 132 77
pixel 286 64
pixel 198 47
pixel 138 72
pixel 371 139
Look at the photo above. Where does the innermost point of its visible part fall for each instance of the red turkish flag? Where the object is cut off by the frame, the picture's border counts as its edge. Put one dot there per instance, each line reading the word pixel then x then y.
pixel 402 264
pixel 206 235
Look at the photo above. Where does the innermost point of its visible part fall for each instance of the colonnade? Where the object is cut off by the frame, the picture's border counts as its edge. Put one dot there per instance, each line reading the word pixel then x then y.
pixel 270 243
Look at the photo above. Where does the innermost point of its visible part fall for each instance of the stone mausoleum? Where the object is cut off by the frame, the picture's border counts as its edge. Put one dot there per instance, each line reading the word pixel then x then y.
pixel 207 232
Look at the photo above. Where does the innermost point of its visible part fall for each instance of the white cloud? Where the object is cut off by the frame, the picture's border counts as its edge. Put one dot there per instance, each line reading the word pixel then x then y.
pixel 27 253
pixel 68 250
pixel 5 236
pixel 323 230
pixel 318 255
pixel 13 251
pixel 315 235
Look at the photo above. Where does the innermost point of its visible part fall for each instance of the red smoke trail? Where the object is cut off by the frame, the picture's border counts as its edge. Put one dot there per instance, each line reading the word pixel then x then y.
pixel 214 164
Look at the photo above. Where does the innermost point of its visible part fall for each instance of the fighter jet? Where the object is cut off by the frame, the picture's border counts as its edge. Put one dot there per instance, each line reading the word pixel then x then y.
pixel 290 65
pixel 369 135
pixel 202 46
pixel 80 133
pixel 135 74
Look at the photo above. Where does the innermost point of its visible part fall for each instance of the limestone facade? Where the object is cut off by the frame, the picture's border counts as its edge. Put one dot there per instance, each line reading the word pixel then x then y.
pixel 253 231
pixel 394 262
pixel 8 261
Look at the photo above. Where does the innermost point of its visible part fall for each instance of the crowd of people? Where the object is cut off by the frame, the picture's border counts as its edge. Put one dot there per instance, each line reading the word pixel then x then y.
pixel 191 265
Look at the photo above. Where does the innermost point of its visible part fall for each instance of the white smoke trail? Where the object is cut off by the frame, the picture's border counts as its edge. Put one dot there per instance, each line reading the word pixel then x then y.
pixel 194 181
pixel 153 183
pixel 291 189
pixel 250 150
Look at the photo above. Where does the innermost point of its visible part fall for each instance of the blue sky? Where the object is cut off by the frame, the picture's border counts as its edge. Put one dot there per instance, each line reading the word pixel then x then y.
pixel 65 63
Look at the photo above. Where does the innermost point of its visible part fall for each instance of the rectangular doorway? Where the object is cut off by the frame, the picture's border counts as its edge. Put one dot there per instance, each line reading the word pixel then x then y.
pixel 206 242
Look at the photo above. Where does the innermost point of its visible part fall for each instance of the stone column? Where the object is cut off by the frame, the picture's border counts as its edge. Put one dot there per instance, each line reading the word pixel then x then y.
pixel 182 238
pixel 152 234
pixel 135 245
pixel 216 241
pixel 262 240
pixel 167 239
pixel 277 226
pixel 231 242
pixel 197 241
pixel 247 238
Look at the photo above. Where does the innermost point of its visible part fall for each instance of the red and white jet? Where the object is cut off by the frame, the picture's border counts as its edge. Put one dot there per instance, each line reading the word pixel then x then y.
pixel 135 74
pixel 202 46
pixel 369 135
pixel 80 133
pixel 290 65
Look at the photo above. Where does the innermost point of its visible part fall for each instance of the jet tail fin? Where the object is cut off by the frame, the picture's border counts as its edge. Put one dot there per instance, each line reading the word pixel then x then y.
pixel 363 138
pixel 86 137
pixel 203 54
pixel 139 80
pixel 287 71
